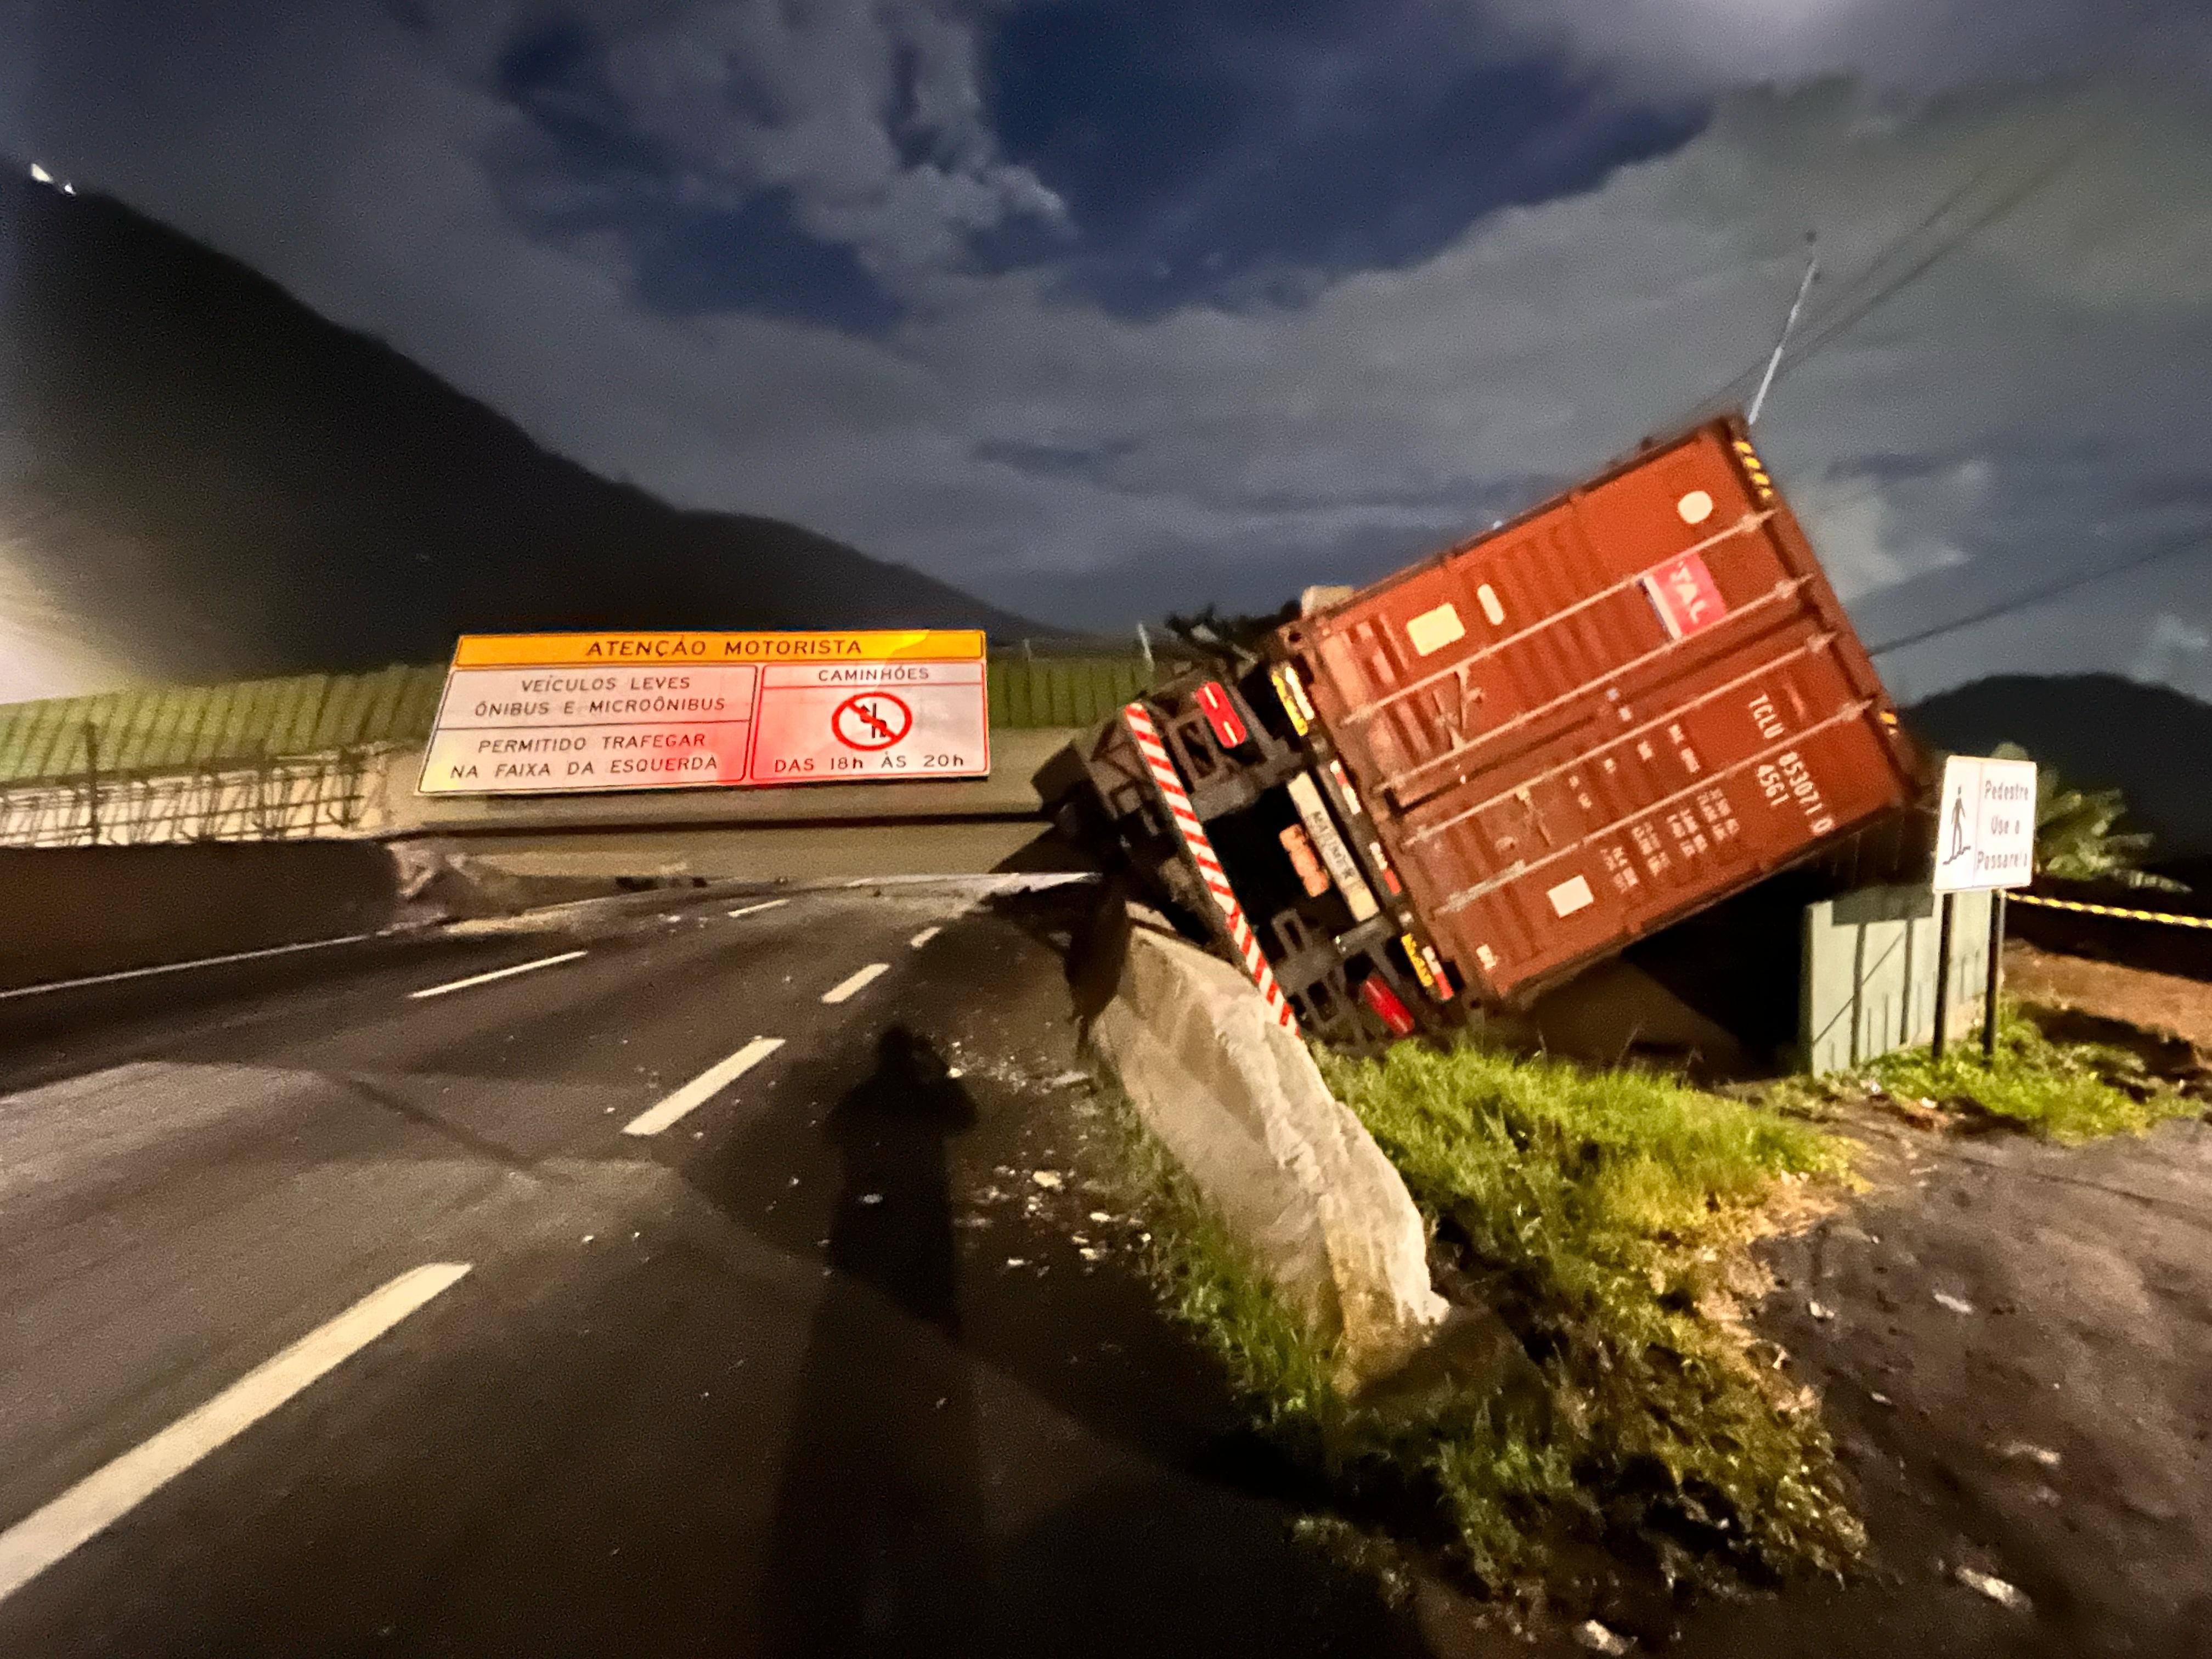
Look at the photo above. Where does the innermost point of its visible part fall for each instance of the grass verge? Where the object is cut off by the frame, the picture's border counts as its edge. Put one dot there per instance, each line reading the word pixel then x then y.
pixel 1606 1218
pixel 2067 1092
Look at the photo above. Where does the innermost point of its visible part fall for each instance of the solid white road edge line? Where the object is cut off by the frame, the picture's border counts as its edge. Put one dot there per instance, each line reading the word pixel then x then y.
pixel 755 909
pixel 104 1497
pixel 496 973
pixel 53 985
pixel 703 1087
pixel 924 937
pixel 859 982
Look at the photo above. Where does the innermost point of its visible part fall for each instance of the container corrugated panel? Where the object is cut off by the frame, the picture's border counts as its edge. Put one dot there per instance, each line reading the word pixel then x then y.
pixel 1630 703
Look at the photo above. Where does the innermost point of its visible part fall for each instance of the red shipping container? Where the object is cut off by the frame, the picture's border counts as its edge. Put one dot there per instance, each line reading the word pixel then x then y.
pixel 1626 705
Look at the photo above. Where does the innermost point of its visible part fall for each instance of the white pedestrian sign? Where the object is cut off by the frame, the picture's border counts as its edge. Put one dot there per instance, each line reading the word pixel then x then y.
pixel 1985 837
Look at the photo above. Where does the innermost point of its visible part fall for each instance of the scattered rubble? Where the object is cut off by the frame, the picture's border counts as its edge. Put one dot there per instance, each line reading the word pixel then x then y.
pixel 2004 1594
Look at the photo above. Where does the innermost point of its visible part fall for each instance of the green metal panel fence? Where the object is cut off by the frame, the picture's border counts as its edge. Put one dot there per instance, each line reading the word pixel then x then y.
pixel 182 728
pixel 1062 691
pixel 158 728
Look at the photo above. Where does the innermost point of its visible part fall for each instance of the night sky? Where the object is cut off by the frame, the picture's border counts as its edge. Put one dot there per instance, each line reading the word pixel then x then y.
pixel 1103 309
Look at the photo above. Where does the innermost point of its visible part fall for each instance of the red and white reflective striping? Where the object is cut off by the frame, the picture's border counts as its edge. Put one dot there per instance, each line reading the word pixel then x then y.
pixel 1146 735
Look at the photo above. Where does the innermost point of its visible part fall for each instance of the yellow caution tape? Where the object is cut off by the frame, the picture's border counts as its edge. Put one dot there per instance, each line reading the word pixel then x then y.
pixel 2111 910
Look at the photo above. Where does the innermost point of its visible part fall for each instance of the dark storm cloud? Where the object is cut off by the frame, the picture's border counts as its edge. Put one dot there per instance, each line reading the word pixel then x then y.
pixel 884 269
pixel 1214 152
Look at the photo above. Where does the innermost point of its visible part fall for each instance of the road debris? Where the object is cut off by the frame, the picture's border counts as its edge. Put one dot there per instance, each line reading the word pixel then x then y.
pixel 2004 1594
pixel 1050 1180
pixel 1956 1304
pixel 1598 1639
pixel 1820 1310
pixel 2020 1452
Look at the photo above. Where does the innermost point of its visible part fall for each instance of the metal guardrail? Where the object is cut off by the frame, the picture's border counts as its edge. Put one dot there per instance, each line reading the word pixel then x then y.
pixel 282 798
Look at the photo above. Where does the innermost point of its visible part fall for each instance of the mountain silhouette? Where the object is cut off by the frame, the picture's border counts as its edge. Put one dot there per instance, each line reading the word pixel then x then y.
pixel 214 481
pixel 2101 731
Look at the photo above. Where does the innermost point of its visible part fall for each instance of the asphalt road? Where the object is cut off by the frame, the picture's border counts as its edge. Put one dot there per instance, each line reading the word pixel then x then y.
pixel 656 1277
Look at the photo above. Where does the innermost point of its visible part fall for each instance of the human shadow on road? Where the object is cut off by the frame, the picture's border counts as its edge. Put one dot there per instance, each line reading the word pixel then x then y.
pixel 879 1544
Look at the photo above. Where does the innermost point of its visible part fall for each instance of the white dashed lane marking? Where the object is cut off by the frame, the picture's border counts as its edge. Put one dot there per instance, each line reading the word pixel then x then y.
pixel 703 1087
pixel 924 937
pixel 496 973
pixel 107 1495
pixel 755 909
pixel 859 982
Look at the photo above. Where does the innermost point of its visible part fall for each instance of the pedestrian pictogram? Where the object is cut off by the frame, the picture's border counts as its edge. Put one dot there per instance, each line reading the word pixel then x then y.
pixel 1961 844
pixel 1986 832
pixel 873 719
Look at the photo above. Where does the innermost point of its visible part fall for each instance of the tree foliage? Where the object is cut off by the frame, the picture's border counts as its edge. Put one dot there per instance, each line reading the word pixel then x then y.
pixel 2075 836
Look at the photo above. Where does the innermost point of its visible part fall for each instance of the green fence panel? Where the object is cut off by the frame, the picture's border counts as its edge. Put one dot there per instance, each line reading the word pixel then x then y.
pixel 383 704
pixel 343 715
pixel 140 719
pixel 1063 690
pixel 58 729
pixel 204 727
pixel 187 727
pixel 155 728
pixel 418 704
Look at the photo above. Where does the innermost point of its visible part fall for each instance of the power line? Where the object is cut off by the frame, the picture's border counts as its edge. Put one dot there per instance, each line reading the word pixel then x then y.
pixel 2039 596
pixel 1821 333
pixel 1841 294
pixel 1846 311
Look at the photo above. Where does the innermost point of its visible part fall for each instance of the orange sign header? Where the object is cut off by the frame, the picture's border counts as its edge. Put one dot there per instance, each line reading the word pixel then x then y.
pixel 588 650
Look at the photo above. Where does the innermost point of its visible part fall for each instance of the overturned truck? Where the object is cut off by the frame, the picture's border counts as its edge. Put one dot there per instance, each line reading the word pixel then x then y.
pixel 1458 787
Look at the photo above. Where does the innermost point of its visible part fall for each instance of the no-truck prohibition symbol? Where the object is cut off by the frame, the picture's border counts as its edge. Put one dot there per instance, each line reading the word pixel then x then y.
pixel 873 719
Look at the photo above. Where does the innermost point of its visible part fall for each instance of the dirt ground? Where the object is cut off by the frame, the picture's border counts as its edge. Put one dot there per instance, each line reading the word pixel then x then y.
pixel 2158 1002
pixel 2013 1344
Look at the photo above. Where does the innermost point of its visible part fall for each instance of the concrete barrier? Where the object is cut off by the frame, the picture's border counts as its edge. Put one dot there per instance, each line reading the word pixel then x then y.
pixel 1240 1104
pixel 71 913
pixel 74 911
